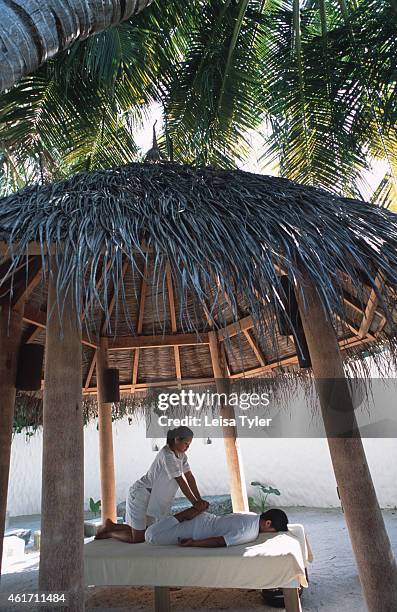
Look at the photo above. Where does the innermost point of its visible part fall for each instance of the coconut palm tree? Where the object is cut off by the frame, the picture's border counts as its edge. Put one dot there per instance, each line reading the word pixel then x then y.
pixel 317 80
pixel 320 74
pixel 80 110
pixel 32 32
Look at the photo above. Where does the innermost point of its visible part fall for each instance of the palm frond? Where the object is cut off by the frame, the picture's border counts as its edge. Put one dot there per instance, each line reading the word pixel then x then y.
pixel 80 109
pixel 385 194
pixel 310 127
pixel 213 98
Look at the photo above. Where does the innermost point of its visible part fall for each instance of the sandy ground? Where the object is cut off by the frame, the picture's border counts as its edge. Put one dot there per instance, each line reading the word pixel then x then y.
pixel 334 585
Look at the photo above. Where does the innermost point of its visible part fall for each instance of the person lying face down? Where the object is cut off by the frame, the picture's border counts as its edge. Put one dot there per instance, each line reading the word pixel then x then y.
pixel 194 528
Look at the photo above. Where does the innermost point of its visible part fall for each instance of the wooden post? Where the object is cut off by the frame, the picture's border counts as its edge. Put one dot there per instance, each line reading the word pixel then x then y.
pixel 10 336
pixel 374 557
pixel 291 600
pixel 238 488
pixel 62 511
pixel 106 457
pixel 162 599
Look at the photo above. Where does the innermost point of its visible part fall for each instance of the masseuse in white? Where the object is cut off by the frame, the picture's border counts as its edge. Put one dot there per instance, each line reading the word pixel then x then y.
pixel 190 528
pixel 150 498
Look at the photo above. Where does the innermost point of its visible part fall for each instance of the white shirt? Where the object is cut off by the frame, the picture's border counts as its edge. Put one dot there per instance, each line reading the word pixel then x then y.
pixel 237 528
pixel 160 478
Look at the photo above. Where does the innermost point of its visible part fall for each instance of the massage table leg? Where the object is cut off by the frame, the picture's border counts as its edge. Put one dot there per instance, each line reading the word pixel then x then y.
pixel 162 599
pixel 292 601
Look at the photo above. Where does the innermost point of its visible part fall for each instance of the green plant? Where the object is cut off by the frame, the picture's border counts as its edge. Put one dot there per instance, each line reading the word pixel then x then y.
pixel 315 81
pixel 95 506
pixel 259 503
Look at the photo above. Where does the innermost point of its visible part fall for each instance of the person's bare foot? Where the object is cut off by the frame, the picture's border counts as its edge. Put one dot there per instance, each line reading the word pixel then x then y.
pixel 103 531
pixel 102 534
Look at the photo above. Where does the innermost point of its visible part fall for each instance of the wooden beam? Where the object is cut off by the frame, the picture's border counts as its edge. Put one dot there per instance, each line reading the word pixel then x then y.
pixel 31 334
pixel 5 266
pixel 126 343
pixel 135 366
pixel 369 311
pixel 126 388
pixel 349 301
pixel 351 342
pixel 235 328
pixel 245 326
pixel 370 308
pixel 353 303
pixel 32 282
pixel 92 365
pixel 353 328
pixel 343 344
pixel 170 290
pixel 90 371
pixel 224 358
pixel 39 318
pixel 266 368
pixel 139 326
pixel 34 249
pixel 381 325
pixel 258 353
pixel 35 317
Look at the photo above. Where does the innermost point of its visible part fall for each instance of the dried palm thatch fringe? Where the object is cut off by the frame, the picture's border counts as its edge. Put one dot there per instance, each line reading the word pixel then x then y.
pixel 144 404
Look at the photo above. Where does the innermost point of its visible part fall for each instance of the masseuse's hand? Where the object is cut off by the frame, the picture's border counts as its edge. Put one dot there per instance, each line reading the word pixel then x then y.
pixel 186 542
pixel 201 505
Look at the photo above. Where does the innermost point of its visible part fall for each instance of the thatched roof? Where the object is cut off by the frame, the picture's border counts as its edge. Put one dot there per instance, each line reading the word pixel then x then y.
pixel 198 249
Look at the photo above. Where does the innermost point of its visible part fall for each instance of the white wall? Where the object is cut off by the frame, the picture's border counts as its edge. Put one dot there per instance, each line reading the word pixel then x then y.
pixel 300 468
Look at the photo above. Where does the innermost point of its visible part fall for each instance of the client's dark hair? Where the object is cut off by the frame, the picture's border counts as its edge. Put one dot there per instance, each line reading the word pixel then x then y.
pixel 278 518
pixel 178 432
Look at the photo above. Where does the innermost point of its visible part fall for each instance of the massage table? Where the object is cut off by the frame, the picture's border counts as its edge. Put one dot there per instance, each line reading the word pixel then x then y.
pixel 274 560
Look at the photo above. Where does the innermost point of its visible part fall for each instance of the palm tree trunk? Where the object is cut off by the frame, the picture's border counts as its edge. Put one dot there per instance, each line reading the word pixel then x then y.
pixel 62 500
pixel 371 546
pixel 32 31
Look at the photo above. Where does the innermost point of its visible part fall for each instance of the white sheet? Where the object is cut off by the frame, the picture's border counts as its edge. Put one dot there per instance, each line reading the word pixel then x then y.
pixel 273 560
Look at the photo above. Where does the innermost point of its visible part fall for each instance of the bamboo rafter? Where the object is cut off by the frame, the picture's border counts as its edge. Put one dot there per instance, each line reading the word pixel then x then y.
pixel 139 327
pixel 370 308
pixel 247 333
pixel 171 301
pixel 287 361
pixel 33 280
pixel 90 372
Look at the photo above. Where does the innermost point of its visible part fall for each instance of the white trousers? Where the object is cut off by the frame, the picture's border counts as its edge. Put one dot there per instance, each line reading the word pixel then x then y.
pixel 166 532
pixel 136 507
